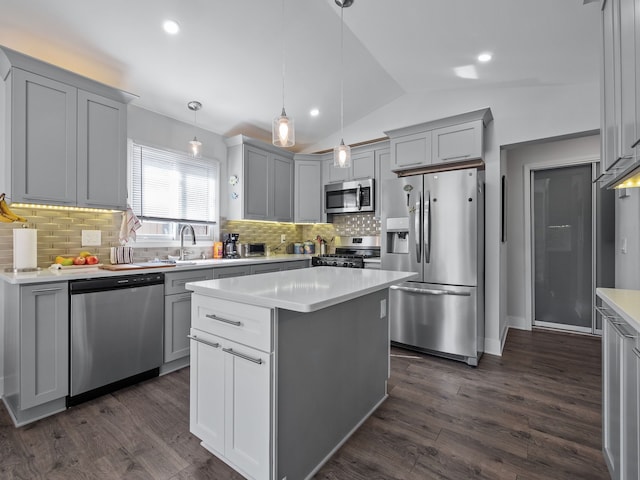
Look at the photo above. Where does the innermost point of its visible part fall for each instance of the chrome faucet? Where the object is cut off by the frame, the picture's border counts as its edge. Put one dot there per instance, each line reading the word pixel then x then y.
pixel 193 234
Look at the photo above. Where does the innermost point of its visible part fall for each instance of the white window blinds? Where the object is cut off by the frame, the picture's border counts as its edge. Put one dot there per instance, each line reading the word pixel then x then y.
pixel 173 186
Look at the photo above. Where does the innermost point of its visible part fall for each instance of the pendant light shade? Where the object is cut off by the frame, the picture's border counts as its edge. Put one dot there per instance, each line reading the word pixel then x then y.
pixel 342 153
pixel 282 130
pixel 195 145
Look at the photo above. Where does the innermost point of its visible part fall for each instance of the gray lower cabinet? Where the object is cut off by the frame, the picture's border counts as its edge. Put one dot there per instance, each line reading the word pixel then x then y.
pixel 177 311
pixel 227 272
pixel 66 136
pixel 36 350
pixel 266 268
pixel 621 396
pixel 295 265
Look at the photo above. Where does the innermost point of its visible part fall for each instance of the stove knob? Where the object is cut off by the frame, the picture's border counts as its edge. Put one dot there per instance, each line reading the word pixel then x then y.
pixel 335 264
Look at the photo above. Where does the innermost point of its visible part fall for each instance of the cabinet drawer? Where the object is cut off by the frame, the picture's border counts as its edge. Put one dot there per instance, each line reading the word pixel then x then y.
pixel 174 282
pixel 245 324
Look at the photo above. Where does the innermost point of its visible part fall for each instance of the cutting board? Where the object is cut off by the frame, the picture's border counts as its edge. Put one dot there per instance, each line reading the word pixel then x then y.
pixel 135 266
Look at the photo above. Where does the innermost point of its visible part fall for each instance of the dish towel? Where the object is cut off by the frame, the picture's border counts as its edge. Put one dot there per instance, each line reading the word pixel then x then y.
pixel 130 223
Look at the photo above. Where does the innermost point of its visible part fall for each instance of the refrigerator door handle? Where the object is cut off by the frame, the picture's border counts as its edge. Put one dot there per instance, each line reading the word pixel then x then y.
pixel 417 224
pixel 427 227
pixel 429 291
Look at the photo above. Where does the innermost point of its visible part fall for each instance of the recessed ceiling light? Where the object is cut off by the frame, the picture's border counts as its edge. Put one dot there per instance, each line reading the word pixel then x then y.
pixel 484 57
pixel 171 27
pixel 314 112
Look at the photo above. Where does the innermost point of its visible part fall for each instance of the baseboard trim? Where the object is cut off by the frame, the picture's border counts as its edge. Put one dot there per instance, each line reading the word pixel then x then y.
pixel 518 322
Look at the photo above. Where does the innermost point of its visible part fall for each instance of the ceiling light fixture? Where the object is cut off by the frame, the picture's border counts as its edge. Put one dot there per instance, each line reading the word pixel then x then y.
pixel 282 129
pixel 195 145
pixel 342 153
pixel 171 27
pixel 314 112
pixel 484 57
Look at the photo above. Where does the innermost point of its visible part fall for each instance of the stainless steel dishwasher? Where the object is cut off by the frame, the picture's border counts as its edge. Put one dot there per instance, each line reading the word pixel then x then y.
pixel 116 328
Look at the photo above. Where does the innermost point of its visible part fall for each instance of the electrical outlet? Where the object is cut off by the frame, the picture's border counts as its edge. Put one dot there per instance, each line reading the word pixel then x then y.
pixel 91 238
pixel 283 238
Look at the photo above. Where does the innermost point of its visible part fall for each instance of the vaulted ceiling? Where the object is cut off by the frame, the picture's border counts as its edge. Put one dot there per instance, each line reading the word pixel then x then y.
pixel 228 54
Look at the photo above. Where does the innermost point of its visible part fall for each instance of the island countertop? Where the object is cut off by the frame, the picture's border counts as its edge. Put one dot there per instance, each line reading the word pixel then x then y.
pixel 302 290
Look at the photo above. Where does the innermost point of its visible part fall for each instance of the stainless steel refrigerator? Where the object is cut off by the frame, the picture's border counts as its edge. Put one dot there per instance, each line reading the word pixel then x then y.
pixel 433 224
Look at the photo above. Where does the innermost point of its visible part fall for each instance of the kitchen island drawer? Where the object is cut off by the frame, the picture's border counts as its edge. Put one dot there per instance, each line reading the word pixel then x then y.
pixel 174 282
pixel 246 324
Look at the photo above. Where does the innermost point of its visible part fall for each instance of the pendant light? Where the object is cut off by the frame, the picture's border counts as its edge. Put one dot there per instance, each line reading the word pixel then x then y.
pixel 195 145
pixel 282 129
pixel 342 153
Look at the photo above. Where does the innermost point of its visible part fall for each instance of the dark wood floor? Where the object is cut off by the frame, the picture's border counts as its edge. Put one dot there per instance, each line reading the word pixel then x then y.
pixel 534 413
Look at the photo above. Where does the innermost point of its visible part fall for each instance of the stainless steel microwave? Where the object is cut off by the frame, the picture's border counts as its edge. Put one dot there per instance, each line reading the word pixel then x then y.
pixel 356 196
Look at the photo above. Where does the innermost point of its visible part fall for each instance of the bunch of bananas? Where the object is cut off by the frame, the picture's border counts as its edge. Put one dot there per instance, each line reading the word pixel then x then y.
pixel 6 215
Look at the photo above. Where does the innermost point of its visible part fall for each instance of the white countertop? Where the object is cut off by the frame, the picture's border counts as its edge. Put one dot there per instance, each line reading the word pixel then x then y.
pixel 303 290
pixel 625 303
pixel 47 275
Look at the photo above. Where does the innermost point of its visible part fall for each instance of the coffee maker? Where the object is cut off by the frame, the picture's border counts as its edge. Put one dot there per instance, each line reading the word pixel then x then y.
pixel 230 246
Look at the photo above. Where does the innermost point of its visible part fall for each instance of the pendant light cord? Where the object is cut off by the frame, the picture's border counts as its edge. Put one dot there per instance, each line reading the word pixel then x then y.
pixel 283 56
pixel 342 72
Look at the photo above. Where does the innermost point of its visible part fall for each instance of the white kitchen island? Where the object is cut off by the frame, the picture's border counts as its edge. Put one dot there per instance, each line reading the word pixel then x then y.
pixel 285 366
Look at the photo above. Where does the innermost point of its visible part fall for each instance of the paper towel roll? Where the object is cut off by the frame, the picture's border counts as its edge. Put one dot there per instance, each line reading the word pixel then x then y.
pixel 25 248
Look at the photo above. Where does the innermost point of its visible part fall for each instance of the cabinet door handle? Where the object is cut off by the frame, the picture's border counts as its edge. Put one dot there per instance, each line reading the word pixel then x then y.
pixel 457 156
pixel 224 320
pixel 193 337
pixel 636 351
pixel 243 356
pixel 45 290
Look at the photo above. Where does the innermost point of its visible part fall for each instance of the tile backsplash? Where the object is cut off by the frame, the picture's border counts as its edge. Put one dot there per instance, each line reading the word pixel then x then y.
pixel 60 233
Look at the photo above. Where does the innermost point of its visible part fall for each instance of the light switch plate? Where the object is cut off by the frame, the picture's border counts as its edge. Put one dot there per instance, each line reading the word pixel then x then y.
pixel 91 238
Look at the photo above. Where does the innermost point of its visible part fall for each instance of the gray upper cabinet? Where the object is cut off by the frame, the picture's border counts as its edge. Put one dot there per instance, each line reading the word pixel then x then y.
pixel 453 139
pixel 408 151
pixel 43 140
pixel 362 166
pixel 102 152
pixel 282 171
pixel 457 142
pixel 620 91
pixel 308 191
pixel 66 136
pixel 260 181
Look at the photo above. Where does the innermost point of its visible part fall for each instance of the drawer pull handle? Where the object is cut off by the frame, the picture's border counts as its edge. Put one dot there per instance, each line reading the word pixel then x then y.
pixel 637 352
pixel 606 313
pixel 235 323
pixel 47 290
pixel 242 355
pixel 621 328
pixel 214 345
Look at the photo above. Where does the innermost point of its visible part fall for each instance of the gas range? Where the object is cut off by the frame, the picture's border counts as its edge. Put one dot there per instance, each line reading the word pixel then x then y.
pixel 351 252
pixel 338 260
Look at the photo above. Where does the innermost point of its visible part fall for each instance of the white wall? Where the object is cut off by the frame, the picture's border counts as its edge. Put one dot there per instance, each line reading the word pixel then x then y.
pixel 521 114
pixel 550 153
